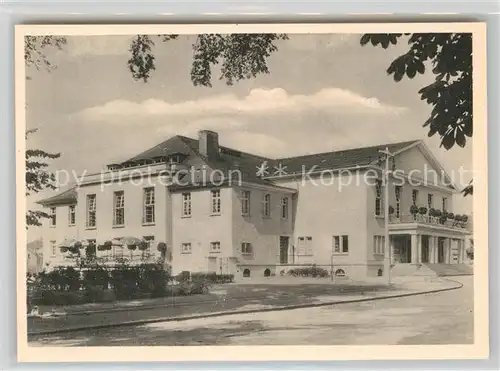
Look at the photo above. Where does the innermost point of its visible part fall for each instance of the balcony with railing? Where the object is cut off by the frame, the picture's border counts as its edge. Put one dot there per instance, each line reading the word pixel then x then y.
pixel 459 222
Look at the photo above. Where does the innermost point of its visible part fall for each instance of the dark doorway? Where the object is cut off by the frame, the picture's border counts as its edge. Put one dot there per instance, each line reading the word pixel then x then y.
pixel 267 272
pixel 402 248
pixel 425 249
pixel 246 273
pixel 284 240
pixel 440 250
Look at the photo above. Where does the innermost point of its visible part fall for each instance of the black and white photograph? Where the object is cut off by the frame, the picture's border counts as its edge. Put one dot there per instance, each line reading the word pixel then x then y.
pixel 258 185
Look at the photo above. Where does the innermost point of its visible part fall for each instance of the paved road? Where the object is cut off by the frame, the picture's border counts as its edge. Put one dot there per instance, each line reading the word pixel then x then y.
pixel 441 318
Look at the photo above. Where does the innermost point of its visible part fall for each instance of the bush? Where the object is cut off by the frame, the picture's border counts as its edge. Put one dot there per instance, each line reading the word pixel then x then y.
pixel 153 279
pixel 212 277
pixel 124 281
pixel 50 297
pixel 60 279
pixel 197 287
pixel 422 210
pixel 96 294
pixel 312 271
pixel 413 209
pixel 96 277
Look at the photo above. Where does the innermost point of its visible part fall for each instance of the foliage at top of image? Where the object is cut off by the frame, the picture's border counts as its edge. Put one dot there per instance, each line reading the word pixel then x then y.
pixel 240 56
pixel 34 50
pixel 450 56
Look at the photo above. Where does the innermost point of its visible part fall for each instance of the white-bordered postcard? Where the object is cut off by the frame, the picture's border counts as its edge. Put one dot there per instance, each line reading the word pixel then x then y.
pixel 315 191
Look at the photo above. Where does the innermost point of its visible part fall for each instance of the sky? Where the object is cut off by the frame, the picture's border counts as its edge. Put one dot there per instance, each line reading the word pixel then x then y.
pixel 323 92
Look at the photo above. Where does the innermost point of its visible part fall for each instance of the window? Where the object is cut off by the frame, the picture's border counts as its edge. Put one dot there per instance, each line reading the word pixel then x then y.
pixel 53 247
pixel 397 189
pixel 378 198
pixel 266 206
pixel 215 246
pixel 246 248
pixel 119 208
pixel 378 245
pixel 91 211
pixel 52 216
pixel 245 202
pixel 336 244
pixel 186 248
pixel 341 244
pixel 445 204
pixel 414 197
pixel 304 246
pixel 215 201
pixel 148 214
pixel 284 208
pixel 345 244
pixel 186 204
pixel 430 199
pixel 340 273
pixel 72 215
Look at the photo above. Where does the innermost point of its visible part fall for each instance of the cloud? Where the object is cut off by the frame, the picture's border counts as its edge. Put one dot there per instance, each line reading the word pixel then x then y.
pixel 253 142
pixel 258 102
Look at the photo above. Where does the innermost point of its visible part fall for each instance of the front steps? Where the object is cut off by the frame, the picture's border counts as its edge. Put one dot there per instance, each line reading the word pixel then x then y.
pixel 426 269
pixel 412 270
pixel 452 269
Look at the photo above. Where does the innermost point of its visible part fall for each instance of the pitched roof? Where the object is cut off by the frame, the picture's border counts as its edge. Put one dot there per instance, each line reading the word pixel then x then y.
pixel 230 160
pixel 342 159
pixel 64 198
pixel 176 144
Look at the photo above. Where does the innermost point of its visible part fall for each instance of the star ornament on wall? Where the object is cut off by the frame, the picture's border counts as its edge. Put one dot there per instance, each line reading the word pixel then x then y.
pixel 262 169
pixel 280 170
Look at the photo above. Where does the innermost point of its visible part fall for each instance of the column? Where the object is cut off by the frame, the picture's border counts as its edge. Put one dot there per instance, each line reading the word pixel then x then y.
pixel 431 249
pixel 414 248
pixel 391 246
pixel 419 248
pixel 446 247
pixel 434 249
pixel 463 247
pixel 450 252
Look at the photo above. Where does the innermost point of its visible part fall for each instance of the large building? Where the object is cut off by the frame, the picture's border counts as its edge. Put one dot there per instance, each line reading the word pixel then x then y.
pixel 222 210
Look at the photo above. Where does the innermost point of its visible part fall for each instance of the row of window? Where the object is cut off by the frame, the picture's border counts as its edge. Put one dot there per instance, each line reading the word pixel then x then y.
pixel 149 207
pixel 245 198
pixel 246 247
pixel 71 216
pixel 186 247
pixel 340 245
pixel 398 192
pixel 148 215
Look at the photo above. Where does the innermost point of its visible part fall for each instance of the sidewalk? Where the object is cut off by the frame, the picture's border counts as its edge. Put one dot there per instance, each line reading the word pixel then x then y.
pixel 230 299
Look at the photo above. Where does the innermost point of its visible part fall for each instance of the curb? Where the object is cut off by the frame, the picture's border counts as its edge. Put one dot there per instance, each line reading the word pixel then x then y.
pixel 154 306
pixel 457 286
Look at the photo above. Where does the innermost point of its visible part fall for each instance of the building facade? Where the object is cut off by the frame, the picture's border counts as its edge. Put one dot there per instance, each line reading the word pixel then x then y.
pixel 221 210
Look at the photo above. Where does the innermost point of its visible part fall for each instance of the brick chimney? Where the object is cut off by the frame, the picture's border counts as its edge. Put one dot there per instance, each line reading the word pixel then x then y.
pixel 208 144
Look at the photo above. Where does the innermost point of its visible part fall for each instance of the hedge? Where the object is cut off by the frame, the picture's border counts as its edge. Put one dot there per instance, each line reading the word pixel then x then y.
pixel 213 278
pixel 66 285
pixel 308 272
